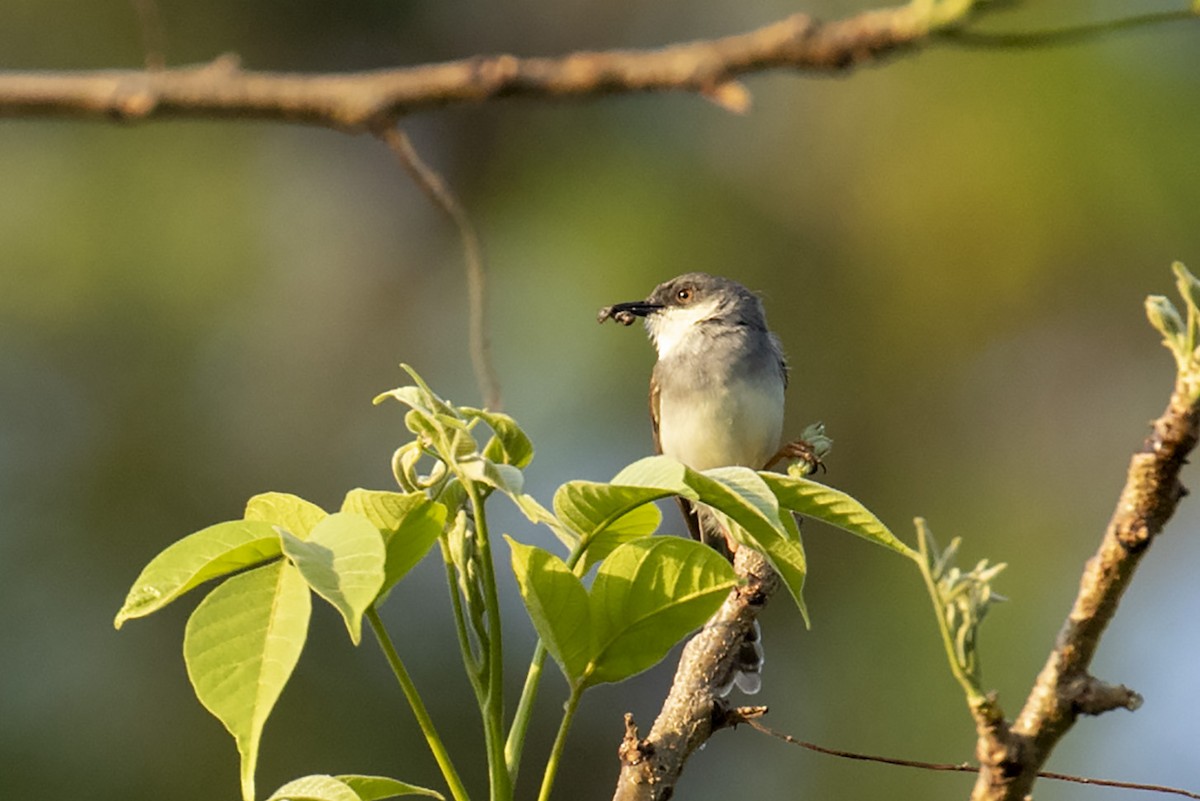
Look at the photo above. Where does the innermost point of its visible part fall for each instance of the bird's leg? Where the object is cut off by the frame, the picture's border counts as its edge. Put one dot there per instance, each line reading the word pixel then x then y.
pixel 800 450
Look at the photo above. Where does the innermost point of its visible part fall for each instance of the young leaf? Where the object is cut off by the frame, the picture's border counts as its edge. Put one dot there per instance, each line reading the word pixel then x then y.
pixel 215 551
pixel 377 788
pixel 342 561
pixel 503 477
pixel 836 508
pixel 509 445
pixel 241 644
pixel 557 605
pixel 648 594
pixel 409 522
pixel 290 512
pixel 315 788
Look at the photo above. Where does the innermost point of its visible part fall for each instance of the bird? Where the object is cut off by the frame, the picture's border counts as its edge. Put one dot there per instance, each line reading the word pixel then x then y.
pixel 716 395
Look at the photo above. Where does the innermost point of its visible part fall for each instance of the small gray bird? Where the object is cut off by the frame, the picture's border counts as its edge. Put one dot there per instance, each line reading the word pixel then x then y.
pixel 716 393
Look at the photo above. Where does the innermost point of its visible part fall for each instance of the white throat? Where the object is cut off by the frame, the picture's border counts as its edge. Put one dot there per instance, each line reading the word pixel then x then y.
pixel 671 327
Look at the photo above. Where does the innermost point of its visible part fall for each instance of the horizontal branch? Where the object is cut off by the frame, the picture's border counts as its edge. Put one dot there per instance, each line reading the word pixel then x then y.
pixel 372 100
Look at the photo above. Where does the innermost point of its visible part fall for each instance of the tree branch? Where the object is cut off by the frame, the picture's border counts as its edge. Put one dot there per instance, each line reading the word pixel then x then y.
pixel 366 101
pixel 1011 756
pixel 693 711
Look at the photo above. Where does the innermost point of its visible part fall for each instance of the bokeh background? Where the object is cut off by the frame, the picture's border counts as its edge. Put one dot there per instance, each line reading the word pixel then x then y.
pixel 954 247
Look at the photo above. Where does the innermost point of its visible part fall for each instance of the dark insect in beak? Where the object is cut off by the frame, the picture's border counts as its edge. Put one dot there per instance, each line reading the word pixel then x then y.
pixel 626 313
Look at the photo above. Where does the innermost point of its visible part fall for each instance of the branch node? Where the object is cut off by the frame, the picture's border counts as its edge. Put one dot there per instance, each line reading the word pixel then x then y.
pixel 727 717
pixel 633 749
pixel 224 64
pixel 733 96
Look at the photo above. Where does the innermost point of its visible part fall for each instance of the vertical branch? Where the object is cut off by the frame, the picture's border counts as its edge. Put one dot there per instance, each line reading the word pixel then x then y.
pixel 439 193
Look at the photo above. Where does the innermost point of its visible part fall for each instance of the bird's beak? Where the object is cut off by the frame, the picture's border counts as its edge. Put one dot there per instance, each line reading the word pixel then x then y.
pixel 624 313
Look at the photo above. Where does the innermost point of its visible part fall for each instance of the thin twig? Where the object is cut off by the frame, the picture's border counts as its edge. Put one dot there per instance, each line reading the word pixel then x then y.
pixel 961 767
pixel 439 193
pixel 154 34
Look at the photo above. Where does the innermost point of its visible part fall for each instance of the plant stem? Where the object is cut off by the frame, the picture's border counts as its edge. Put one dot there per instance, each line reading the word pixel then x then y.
pixel 418 707
pixel 520 724
pixel 460 620
pixel 499 779
pixel 559 741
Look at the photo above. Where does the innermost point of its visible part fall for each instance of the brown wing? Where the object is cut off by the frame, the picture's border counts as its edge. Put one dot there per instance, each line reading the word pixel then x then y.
pixel 654 400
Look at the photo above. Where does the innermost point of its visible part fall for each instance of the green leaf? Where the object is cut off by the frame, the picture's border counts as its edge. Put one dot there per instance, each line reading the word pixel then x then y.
pixel 557 605
pixel 409 522
pixel 503 477
pixel 834 507
pixel 746 500
pixel 662 472
pixel 509 445
pixel 241 644
pixel 290 512
pixel 589 507
pixel 342 561
pixel 315 788
pixel 606 515
pixel 641 521
pixel 215 551
pixel 648 595
pixel 377 788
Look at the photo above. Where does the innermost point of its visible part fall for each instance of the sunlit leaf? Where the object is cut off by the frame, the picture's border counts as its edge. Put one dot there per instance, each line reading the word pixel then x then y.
pixel 606 515
pixel 648 595
pixel 641 521
pixel 742 496
pixel 342 560
pixel 557 605
pixel 834 507
pixel 241 644
pixel 377 788
pixel 290 512
pixel 409 522
pixel 315 788
pixel 209 553
pixel 661 472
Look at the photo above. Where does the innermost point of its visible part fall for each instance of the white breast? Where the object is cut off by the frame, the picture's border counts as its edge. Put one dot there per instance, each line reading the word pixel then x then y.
pixel 738 423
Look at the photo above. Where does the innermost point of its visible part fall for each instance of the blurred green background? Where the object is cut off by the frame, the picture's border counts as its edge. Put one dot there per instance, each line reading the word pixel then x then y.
pixel 954 247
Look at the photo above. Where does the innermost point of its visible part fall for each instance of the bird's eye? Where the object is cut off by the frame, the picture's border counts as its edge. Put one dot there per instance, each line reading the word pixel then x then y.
pixel 684 295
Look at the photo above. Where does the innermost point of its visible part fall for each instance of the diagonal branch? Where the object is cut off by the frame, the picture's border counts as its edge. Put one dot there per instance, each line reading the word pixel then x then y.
pixel 693 711
pixel 1011 756
pixel 364 101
